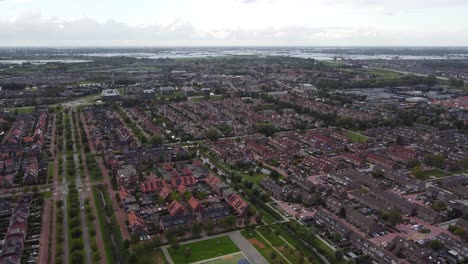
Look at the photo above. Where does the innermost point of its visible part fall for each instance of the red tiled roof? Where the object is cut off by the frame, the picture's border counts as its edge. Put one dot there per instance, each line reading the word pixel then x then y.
pixel 236 202
pixel 194 204
pixel 175 208
pixel 135 219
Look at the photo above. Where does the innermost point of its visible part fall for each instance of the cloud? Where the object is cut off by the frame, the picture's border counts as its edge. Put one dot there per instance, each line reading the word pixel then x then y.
pixel 32 29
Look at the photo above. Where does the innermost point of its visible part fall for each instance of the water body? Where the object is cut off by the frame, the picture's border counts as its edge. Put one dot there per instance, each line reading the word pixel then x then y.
pixel 317 54
pixel 37 62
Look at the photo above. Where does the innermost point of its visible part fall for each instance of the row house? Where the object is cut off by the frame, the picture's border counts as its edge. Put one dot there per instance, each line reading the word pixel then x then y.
pixel 384 201
pixel 137 225
pixel 273 188
pixel 458 248
pixel 13 244
pixel 354 159
pixel 368 248
pixel 429 215
pixel 382 162
pixel 238 204
pixel 412 252
pixel 321 164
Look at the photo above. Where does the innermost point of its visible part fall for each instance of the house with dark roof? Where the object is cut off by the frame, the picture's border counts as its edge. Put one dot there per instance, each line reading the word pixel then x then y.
pixel 216 211
pixel 152 185
pixel 168 221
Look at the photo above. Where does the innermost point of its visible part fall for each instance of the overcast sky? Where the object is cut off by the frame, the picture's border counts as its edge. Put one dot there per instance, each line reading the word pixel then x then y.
pixel 234 22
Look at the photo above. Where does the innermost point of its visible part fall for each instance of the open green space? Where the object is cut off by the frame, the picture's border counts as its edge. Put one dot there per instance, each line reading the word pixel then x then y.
pixel 152 256
pixel 386 73
pixel 356 137
pixel 203 250
pixel 432 174
pixel 22 110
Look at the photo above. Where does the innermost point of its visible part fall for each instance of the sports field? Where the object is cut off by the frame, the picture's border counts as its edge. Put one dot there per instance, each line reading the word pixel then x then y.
pixel 235 258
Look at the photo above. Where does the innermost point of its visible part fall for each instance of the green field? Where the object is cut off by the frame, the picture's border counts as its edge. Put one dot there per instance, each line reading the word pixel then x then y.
pixel 386 73
pixel 203 250
pixel 433 174
pixel 152 256
pixel 22 110
pixel 355 137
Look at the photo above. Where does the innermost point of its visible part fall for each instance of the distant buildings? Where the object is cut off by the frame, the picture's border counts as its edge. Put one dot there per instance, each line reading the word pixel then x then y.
pixel 110 95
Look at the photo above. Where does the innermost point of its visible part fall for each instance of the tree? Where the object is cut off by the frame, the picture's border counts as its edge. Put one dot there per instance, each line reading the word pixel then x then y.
pixel 77 257
pixel 434 160
pixel 196 229
pixel 156 139
pixel 394 218
pixel 265 128
pixel 436 244
pixel 342 212
pixel 273 255
pixel 418 172
pixel 212 134
pixel 209 226
pixel 339 254
pixel 275 175
pixel 377 173
pixel 413 163
pixel 438 205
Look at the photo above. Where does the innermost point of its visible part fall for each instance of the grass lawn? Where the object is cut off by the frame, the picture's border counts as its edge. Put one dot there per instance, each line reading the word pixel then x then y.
pixel 50 171
pixel 255 178
pixel 433 174
pixel 22 110
pixel 355 137
pixel 203 250
pixel 47 195
pixel 385 73
pixel 154 256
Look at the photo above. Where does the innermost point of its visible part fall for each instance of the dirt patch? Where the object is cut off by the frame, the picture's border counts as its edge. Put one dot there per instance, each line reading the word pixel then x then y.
pixel 257 243
pixel 282 248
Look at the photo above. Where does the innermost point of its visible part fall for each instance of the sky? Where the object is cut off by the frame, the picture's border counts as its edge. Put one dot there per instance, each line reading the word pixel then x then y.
pixel 233 23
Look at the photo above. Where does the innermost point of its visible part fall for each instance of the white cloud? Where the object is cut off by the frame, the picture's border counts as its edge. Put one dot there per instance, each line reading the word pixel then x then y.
pixel 243 22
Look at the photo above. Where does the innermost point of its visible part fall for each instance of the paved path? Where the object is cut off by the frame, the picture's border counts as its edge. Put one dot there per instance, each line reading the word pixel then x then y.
pixel 248 249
